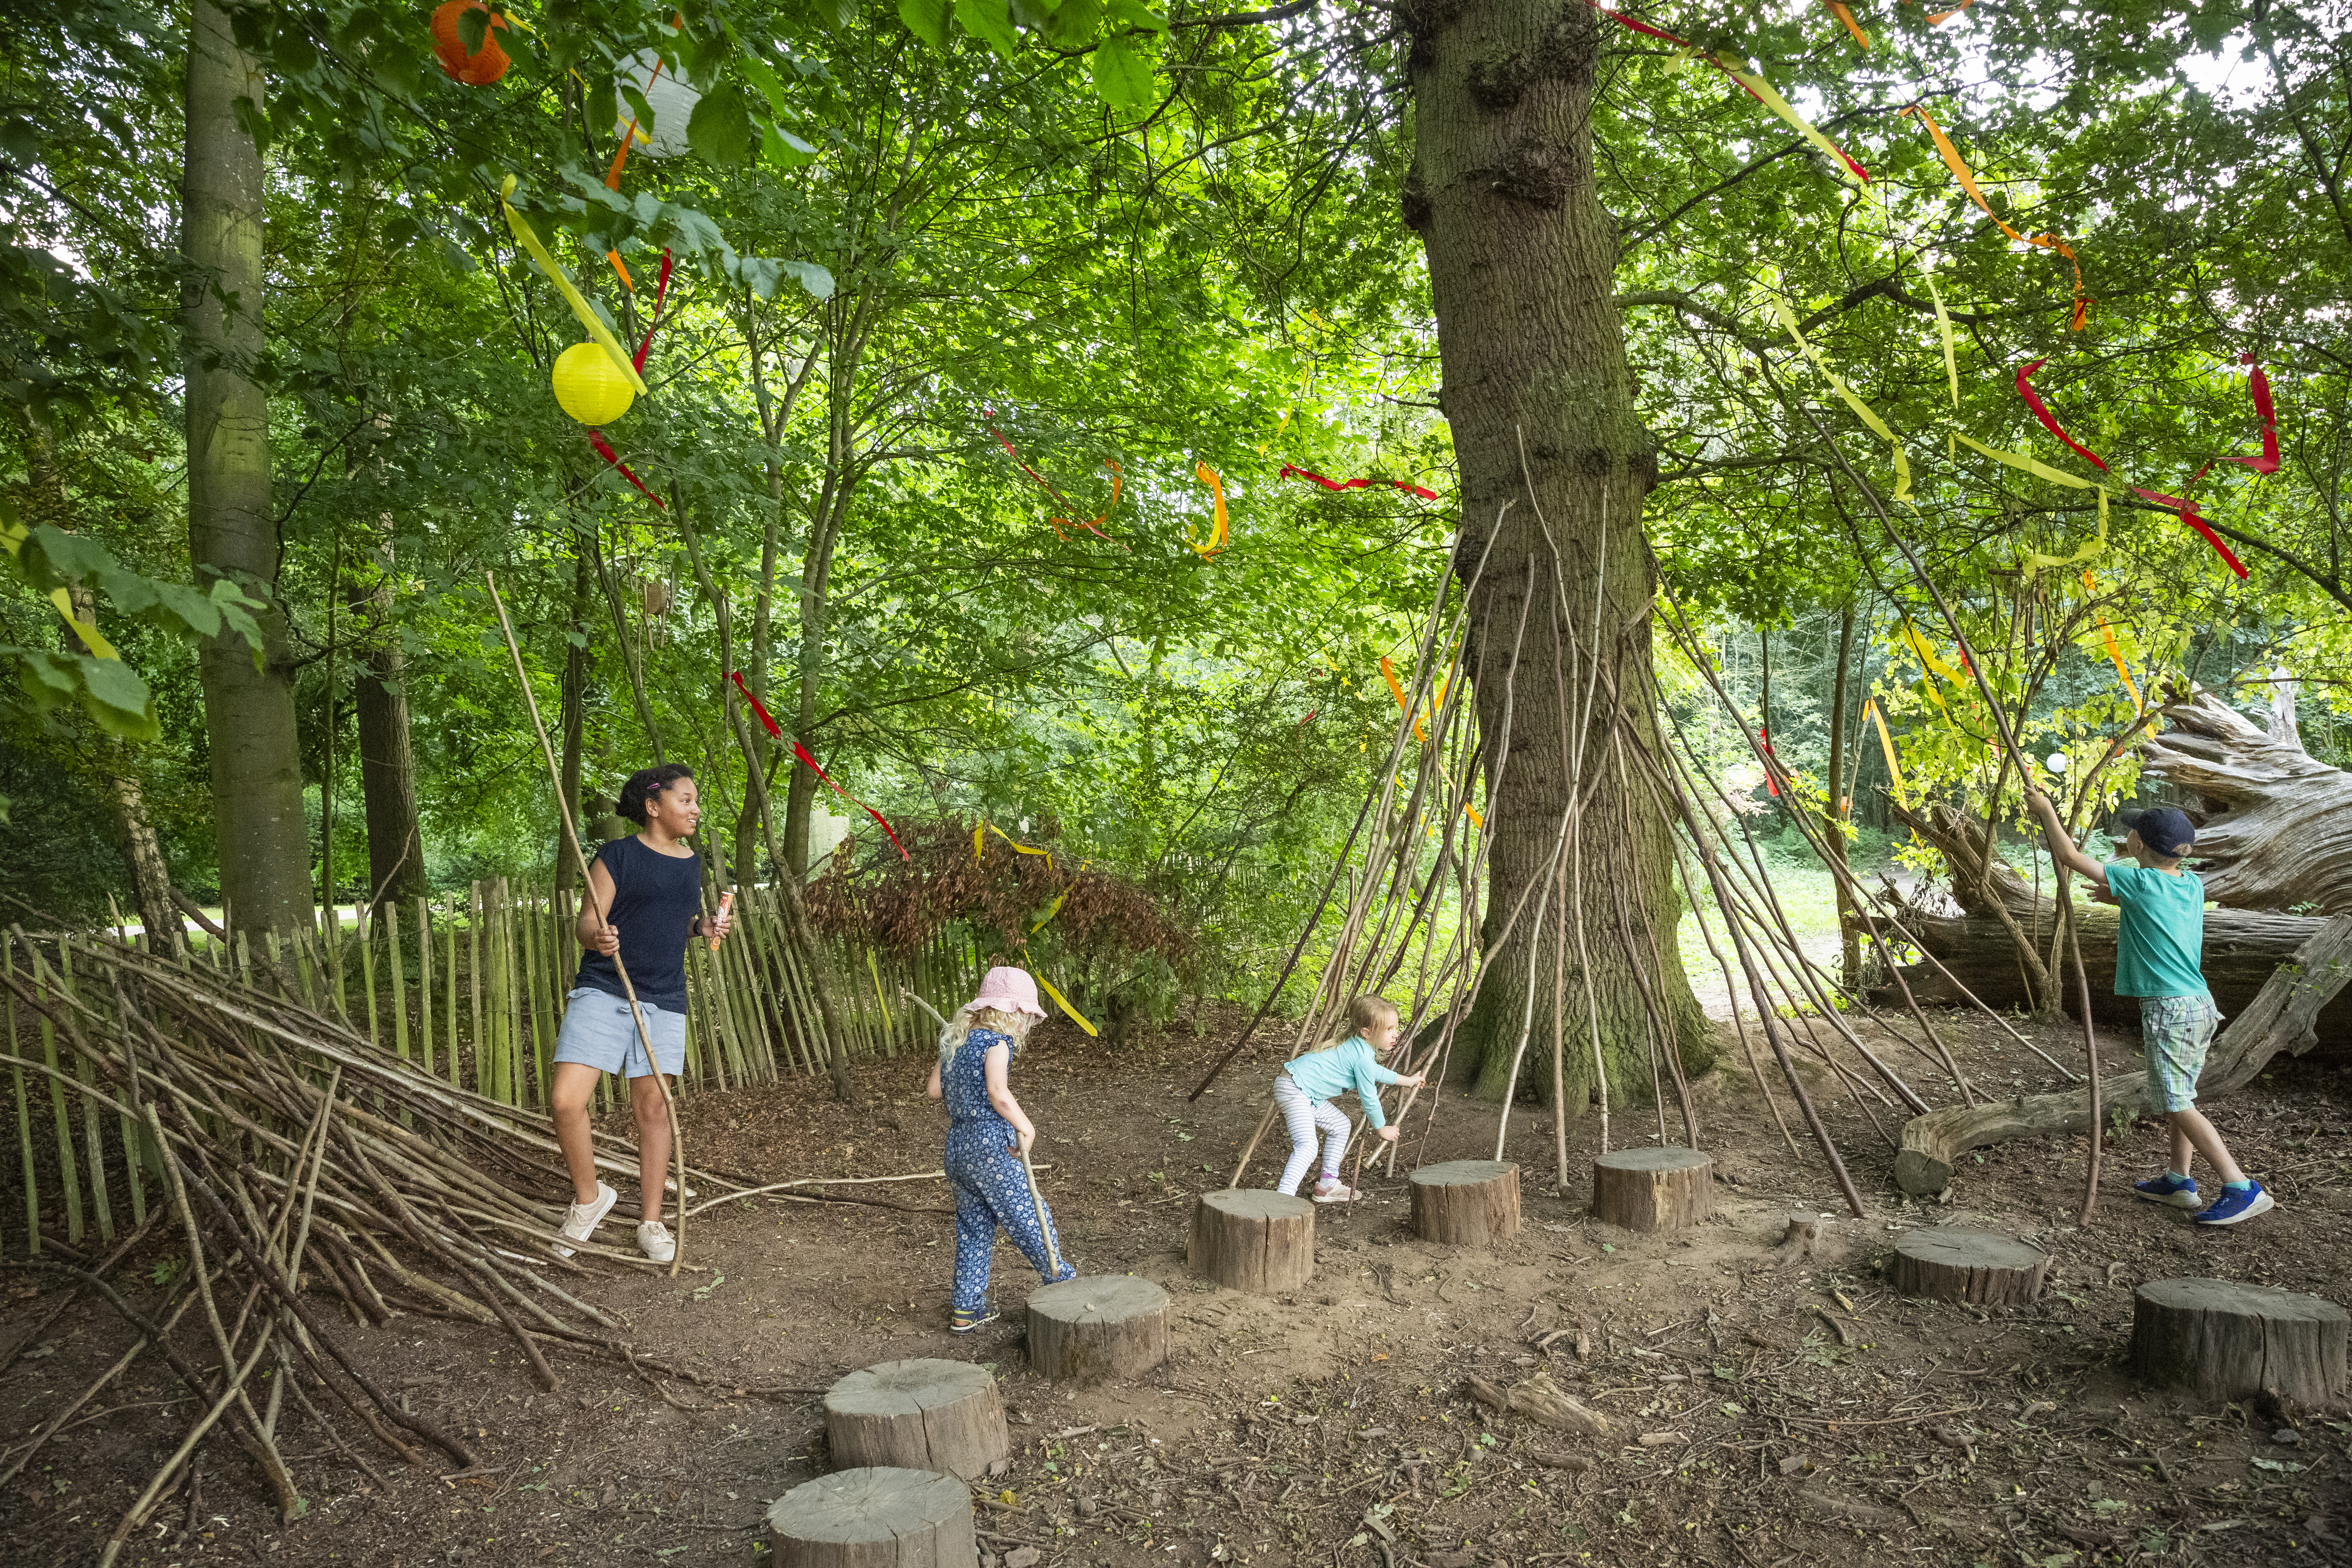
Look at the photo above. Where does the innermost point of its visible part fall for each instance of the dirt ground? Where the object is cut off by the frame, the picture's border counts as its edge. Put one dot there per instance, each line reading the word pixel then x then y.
pixel 1762 1413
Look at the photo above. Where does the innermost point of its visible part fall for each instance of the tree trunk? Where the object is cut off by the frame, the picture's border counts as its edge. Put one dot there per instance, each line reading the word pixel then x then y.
pixel 256 767
pixel 1521 262
pixel 387 762
pixel 150 877
pixel 2273 825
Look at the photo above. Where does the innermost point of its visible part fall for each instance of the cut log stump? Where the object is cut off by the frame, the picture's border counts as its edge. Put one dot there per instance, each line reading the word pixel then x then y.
pixel 939 1415
pixel 1466 1203
pixel 2223 1341
pixel 1653 1189
pixel 1253 1240
pixel 875 1518
pixel 1948 1263
pixel 1087 1329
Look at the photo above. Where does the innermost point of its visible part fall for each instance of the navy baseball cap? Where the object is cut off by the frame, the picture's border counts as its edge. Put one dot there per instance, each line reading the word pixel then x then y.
pixel 2165 829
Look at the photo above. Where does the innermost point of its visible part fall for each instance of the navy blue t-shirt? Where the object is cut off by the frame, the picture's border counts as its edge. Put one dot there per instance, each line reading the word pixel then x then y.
pixel 654 900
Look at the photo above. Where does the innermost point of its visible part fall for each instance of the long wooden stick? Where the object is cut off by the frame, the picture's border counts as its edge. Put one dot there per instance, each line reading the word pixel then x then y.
pixel 1044 1229
pixel 572 842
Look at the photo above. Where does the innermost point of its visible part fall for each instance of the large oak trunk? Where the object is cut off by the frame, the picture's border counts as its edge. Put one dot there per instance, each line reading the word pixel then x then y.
pixel 256 769
pixel 1522 260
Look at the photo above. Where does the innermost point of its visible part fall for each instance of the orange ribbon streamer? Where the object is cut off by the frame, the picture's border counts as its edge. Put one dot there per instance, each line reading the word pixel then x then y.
pixel 1846 16
pixel 1404 704
pixel 1969 183
pixel 2114 652
pixel 1217 528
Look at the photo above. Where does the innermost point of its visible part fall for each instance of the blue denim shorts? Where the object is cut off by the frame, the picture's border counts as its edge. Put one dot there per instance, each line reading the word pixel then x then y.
pixel 599 1033
pixel 2176 1032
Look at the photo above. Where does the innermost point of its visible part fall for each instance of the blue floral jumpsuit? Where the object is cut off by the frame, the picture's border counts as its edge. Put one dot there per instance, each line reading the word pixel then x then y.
pixel 989 1187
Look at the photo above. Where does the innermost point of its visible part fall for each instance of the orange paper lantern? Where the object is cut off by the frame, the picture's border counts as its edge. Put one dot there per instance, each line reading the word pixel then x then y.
pixel 479 68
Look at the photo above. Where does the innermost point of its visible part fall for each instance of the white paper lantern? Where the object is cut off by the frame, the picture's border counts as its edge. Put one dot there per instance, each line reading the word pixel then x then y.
pixel 2055 762
pixel 669 95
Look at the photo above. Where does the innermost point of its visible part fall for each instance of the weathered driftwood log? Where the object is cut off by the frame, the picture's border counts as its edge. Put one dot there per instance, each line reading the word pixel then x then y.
pixel 2273 824
pixel 2279 1019
pixel 1947 1263
pixel 1253 1240
pixel 2225 1340
pixel 1466 1203
pixel 1102 1326
pixel 878 1518
pixel 1653 1189
pixel 943 1415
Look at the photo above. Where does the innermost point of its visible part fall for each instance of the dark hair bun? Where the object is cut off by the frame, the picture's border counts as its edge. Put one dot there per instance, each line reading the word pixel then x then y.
pixel 645 784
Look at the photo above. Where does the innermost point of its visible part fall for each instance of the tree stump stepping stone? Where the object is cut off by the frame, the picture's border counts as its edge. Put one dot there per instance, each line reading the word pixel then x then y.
pixel 1653 1189
pixel 1952 1263
pixel 1089 1328
pixel 945 1417
pixel 1253 1240
pixel 1466 1203
pixel 877 1516
pixel 2225 1340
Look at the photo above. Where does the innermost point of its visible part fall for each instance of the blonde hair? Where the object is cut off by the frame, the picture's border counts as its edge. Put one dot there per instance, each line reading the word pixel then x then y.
pixel 1368 1013
pixel 1013 1027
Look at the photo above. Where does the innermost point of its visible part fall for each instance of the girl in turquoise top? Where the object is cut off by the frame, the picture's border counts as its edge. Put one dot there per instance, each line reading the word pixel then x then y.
pixel 1304 1088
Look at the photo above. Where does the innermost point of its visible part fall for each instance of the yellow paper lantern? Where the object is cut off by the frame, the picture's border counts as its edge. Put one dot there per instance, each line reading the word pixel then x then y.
pixel 590 388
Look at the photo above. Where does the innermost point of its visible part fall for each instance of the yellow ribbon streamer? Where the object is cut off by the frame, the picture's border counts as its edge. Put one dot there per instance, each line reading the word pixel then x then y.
pixel 1886 745
pixel 1925 653
pixel 1209 477
pixel 1404 704
pixel 99 647
pixel 1076 1016
pixel 1051 911
pixel 1944 327
pixel 597 330
pixel 1019 847
pixel 2114 652
pixel 2041 470
pixel 1861 410
pixel 1772 100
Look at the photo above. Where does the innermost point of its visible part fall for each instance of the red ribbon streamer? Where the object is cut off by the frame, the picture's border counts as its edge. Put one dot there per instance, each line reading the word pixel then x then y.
pixel 604 450
pixel 660 294
pixel 2268 414
pixel 1764 743
pixel 1288 470
pixel 801 752
pixel 2042 412
pixel 2187 513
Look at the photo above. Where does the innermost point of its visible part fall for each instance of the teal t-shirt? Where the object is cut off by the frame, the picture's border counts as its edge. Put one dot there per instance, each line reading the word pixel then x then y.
pixel 1337 1069
pixel 2162 936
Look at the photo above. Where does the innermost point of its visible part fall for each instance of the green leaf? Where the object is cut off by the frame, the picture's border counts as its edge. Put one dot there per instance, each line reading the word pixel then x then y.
pixel 118 699
pixel 771 86
pixel 927 19
pixel 721 129
pixel 990 21
pixel 811 277
pixel 1135 14
pixel 1075 24
pixel 1122 75
pixel 782 148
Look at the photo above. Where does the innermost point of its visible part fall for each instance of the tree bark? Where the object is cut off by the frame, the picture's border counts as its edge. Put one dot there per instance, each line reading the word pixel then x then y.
pixel 387 760
pixel 2273 824
pixel 256 768
pixel 1521 262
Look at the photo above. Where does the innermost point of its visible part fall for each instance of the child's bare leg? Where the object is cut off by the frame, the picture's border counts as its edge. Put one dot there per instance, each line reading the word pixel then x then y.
pixel 652 1142
pixel 575 1082
pixel 2193 1135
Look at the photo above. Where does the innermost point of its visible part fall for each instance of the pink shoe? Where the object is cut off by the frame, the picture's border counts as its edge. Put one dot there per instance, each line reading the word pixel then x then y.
pixel 1334 1192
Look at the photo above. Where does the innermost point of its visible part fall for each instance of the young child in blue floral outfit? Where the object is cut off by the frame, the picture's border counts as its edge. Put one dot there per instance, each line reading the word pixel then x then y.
pixel 986 1127
pixel 2160 947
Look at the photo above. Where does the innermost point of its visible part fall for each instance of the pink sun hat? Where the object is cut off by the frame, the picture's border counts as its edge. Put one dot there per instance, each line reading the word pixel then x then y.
pixel 1008 989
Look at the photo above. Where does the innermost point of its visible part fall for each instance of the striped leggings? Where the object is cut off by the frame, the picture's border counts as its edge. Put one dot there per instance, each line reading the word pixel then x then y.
pixel 1304 1117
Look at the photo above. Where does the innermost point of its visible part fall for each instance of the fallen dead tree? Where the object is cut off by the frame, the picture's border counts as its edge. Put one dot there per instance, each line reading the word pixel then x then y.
pixel 1977 948
pixel 2278 1021
pixel 2273 822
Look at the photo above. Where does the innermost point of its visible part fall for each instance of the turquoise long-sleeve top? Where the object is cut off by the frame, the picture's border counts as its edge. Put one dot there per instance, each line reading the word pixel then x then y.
pixel 1337 1069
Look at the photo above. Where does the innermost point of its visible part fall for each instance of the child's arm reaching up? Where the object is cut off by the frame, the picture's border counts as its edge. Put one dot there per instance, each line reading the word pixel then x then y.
pixel 2062 848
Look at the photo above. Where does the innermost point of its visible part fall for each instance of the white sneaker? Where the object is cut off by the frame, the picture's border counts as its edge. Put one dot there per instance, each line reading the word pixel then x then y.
pixel 581 1220
pixel 654 1240
pixel 1333 1192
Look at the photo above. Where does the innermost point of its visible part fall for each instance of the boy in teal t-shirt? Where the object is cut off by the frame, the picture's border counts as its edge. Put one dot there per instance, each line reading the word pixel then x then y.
pixel 2158 943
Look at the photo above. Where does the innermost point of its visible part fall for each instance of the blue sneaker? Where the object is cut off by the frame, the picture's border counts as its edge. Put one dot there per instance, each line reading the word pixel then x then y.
pixel 2180 1192
pixel 2236 1204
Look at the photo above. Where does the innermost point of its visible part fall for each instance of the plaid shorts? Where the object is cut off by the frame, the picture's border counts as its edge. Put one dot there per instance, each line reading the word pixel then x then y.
pixel 2176 1032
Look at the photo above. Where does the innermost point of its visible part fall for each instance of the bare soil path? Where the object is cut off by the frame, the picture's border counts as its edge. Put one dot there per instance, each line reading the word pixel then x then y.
pixel 1763 1413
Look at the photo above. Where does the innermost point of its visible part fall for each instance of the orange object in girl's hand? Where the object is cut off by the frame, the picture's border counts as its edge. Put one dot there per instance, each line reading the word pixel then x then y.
pixel 726 902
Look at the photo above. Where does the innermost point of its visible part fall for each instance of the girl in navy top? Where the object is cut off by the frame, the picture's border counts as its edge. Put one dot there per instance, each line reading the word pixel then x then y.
pixel 644 903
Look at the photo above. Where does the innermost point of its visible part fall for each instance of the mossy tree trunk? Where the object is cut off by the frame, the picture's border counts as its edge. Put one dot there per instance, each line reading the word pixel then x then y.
pixel 1522 260
pixel 257 770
